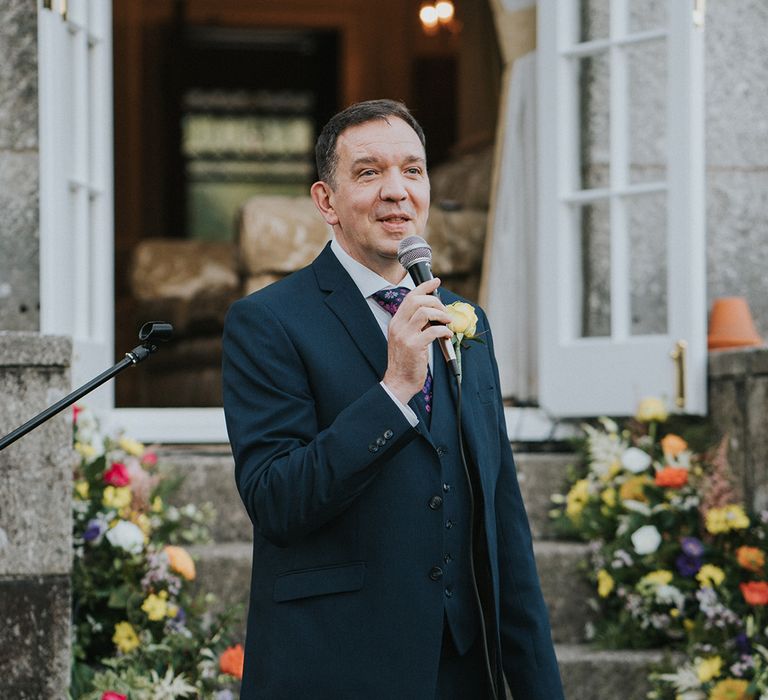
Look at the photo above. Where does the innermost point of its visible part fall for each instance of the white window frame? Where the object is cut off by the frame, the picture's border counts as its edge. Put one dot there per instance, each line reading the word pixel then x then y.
pixel 77 215
pixel 592 376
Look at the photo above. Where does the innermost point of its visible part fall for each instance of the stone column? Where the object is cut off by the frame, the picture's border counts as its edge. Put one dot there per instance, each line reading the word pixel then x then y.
pixel 35 520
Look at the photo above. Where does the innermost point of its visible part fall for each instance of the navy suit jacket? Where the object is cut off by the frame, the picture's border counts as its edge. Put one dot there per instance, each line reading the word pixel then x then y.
pixel 331 474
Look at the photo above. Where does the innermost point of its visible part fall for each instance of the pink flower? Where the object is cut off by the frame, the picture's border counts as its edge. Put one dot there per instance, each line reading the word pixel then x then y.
pixel 149 459
pixel 75 411
pixel 112 695
pixel 117 475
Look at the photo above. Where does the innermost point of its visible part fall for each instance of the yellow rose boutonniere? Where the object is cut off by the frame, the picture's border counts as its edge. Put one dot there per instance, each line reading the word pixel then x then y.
pixel 464 326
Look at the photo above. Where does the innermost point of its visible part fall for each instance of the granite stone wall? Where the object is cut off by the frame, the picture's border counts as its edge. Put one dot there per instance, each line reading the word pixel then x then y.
pixel 738 397
pixel 19 172
pixel 35 520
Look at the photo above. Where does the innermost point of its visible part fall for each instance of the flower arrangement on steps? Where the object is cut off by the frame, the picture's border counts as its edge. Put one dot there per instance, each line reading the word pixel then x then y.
pixel 676 559
pixel 140 632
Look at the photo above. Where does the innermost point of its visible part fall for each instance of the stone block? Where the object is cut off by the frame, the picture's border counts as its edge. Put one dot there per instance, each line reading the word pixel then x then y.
pixel 758 361
pixel 541 475
pixel 256 282
pixel 727 412
pixel 757 441
pixel 569 612
pixel 280 234
pixel 457 239
pixel 736 72
pixel 209 475
pixel 35 471
pixel 590 674
pixel 464 181
pixel 192 283
pixel 35 639
pixel 727 363
pixel 18 75
pixel 19 241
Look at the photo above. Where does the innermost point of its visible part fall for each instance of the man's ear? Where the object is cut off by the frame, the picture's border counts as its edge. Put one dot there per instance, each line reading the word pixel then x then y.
pixel 322 195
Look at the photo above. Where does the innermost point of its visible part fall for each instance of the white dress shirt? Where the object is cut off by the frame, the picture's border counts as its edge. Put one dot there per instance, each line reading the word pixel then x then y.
pixel 368 282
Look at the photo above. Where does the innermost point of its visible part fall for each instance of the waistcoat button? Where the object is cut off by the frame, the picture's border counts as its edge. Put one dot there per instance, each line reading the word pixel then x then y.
pixel 435 573
pixel 435 502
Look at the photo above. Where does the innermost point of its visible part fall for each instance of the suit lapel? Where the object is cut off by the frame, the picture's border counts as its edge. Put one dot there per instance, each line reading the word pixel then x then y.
pixel 346 302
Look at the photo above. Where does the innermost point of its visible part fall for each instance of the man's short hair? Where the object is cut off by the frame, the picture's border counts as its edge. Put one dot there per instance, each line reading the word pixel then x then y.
pixel 325 149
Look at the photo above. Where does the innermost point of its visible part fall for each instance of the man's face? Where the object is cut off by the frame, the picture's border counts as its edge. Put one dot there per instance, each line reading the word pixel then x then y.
pixel 381 191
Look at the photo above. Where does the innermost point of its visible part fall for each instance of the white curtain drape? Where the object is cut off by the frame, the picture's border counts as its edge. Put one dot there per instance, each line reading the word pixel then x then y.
pixel 511 253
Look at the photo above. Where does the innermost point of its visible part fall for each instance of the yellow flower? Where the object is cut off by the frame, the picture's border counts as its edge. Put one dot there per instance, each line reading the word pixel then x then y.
pixel 131 446
pixel 155 606
pixel 730 689
pixel 157 504
pixel 125 637
pixel 720 520
pixel 577 498
pixel 463 319
pixel 660 577
pixel 143 521
pixel 710 668
pixel 172 610
pixel 609 497
pixel 651 409
pixel 86 450
pixel 605 583
pixel 710 576
pixel 180 562
pixel 633 489
pixel 688 625
pixel 116 497
pixel 82 489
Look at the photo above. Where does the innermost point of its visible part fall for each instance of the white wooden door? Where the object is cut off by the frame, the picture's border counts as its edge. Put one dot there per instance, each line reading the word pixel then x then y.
pixel 621 207
pixel 76 210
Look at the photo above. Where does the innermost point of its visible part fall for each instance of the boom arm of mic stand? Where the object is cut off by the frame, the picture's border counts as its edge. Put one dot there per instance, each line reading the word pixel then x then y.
pixel 138 354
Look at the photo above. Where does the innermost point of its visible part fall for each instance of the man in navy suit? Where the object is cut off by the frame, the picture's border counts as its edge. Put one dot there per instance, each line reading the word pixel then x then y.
pixel 389 562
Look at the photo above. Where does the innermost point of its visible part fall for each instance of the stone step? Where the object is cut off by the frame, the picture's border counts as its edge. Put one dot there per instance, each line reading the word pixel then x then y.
pixel 541 475
pixel 209 476
pixel 588 674
pixel 225 569
pixel 593 674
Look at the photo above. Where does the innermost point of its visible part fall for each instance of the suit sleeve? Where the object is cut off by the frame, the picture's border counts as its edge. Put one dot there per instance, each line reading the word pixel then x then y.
pixel 293 477
pixel 528 655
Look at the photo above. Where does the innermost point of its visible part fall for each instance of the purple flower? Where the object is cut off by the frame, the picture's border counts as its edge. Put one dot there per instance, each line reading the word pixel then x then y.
pixel 688 565
pixel 692 547
pixel 742 643
pixel 94 530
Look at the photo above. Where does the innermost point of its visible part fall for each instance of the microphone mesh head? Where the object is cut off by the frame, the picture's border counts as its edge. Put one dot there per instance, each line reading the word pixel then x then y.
pixel 412 250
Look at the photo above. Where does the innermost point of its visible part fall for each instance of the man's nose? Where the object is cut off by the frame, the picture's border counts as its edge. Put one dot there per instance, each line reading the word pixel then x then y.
pixel 393 187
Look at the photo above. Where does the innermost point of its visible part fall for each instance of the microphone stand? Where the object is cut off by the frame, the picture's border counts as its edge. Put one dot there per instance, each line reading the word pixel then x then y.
pixel 149 333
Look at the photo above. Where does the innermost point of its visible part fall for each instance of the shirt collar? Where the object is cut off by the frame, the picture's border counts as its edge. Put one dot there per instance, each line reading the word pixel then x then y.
pixel 366 280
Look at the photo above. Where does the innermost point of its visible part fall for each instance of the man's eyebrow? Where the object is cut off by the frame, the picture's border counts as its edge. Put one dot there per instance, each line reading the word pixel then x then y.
pixel 374 160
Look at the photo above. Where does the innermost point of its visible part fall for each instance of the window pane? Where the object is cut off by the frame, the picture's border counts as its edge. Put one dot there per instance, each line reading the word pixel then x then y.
pixel 595 269
pixel 647 227
pixel 594 95
pixel 595 18
pixel 647 111
pixel 645 15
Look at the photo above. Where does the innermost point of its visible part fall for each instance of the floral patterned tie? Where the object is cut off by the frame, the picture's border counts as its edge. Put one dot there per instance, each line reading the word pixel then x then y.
pixel 390 300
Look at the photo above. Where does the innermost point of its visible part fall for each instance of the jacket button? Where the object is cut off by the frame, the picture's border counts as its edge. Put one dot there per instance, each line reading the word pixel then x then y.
pixel 448 524
pixel 373 447
pixel 435 573
pixel 435 502
pixel 381 442
pixel 388 434
pixel 441 451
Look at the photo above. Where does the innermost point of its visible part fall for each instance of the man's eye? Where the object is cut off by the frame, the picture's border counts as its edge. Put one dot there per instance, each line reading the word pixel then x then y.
pixel 367 173
pixel 413 171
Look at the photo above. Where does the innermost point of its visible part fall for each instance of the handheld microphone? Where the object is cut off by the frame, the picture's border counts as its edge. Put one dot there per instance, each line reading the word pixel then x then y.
pixel 415 255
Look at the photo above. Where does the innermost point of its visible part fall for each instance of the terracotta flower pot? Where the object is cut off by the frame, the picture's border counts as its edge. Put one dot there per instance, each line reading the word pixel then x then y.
pixel 731 325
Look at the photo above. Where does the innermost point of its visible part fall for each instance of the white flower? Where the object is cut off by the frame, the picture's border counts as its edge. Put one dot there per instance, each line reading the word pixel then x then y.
pixel 635 460
pixel 646 540
pixel 127 536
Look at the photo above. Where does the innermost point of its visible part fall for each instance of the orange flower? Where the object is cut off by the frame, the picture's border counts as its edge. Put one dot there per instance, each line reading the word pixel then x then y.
pixel 673 445
pixel 755 592
pixel 632 488
pixel 750 558
pixel 674 477
pixel 180 562
pixel 231 661
pixel 731 689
